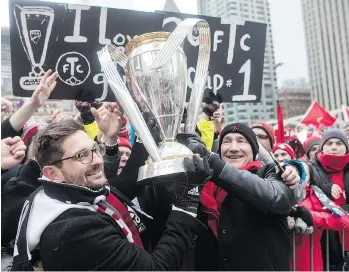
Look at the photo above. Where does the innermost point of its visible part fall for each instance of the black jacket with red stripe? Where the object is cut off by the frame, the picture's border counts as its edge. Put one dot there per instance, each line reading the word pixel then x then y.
pixel 252 232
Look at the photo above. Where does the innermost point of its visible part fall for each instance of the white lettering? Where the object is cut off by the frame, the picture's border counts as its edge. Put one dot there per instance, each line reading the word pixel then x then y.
pixel 218 82
pixel 101 79
pixel 190 82
pixel 102 27
pixel 193 40
pixel 246 69
pixel 76 32
pixel 216 39
pixel 78 69
pixel 170 20
pixel 72 64
pixel 117 40
pixel 232 36
pixel 242 42
pixel 217 79
pixel 208 83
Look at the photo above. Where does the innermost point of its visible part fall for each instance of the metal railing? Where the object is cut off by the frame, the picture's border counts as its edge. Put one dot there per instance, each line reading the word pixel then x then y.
pixel 326 261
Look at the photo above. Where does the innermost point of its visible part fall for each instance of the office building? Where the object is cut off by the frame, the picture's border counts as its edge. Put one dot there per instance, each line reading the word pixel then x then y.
pixel 326 25
pixel 257 11
pixel 294 97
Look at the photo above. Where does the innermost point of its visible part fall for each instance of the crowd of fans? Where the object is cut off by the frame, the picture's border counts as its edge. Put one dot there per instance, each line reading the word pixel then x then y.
pixel 71 200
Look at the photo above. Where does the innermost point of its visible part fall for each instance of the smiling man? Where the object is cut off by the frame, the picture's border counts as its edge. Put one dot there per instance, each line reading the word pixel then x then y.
pixel 79 223
pixel 245 206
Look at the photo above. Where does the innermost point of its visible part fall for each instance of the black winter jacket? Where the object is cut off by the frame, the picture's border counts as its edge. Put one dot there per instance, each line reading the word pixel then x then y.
pixel 19 187
pixel 7 129
pixel 253 232
pixel 80 240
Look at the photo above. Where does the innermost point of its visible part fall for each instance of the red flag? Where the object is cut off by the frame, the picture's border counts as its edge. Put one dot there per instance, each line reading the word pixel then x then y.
pixel 280 134
pixel 318 117
pixel 345 113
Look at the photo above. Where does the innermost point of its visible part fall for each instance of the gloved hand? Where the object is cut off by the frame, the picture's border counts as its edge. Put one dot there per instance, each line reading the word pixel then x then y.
pixel 183 189
pixel 217 165
pixel 303 213
pixel 302 228
pixel 212 103
pixel 194 143
pixel 84 100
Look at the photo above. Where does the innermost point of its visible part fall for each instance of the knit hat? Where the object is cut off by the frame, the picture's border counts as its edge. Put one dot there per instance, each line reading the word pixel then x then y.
pixel 124 130
pixel 124 142
pixel 244 131
pixel 268 129
pixel 30 128
pixel 310 142
pixel 334 133
pixel 286 148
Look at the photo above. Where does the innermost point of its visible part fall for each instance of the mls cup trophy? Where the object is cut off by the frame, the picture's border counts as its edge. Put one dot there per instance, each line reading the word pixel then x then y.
pixel 156 69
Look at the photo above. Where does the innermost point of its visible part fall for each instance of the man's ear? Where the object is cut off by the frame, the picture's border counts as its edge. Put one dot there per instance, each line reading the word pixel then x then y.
pixel 52 173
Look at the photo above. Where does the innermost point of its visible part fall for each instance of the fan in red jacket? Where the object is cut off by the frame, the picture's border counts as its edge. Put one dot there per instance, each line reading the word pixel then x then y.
pixel 322 219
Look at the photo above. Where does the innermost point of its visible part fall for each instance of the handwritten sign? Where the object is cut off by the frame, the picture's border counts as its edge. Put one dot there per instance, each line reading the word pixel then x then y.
pixel 66 38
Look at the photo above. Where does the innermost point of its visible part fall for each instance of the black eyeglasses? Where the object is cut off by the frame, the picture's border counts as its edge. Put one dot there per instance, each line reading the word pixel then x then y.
pixel 86 156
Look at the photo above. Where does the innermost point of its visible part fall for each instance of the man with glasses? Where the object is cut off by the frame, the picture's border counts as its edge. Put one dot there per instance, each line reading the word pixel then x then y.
pixel 78 222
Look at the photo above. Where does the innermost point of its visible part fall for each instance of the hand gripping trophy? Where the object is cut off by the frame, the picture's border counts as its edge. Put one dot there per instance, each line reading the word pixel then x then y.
pixel 156 69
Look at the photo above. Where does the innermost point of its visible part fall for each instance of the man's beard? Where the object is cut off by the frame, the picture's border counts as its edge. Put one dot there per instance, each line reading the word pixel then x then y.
pixel 82 180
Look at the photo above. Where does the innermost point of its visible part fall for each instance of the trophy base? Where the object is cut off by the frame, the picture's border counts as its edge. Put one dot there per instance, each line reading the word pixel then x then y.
pixel 166 167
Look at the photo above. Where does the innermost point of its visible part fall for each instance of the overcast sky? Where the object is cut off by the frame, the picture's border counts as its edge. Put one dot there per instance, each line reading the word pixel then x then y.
pixel 286 18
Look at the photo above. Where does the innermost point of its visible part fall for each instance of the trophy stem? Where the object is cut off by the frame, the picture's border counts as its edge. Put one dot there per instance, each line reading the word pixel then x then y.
pixel 124 97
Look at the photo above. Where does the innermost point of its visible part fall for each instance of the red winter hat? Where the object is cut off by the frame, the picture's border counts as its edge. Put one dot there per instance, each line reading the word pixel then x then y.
pixel 286 148
pixel 124 130
pixel 30 128
pixel 310 142
pixel 124 142
pixel 268 129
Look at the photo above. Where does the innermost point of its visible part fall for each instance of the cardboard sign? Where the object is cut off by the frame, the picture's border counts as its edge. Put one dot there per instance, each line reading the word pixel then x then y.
pixel 66 38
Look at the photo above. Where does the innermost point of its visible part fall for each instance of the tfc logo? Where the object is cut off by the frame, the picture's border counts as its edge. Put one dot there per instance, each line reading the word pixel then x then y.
pixel 235 128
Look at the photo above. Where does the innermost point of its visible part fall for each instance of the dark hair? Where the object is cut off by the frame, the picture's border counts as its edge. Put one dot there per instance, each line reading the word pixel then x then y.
pixel 47 146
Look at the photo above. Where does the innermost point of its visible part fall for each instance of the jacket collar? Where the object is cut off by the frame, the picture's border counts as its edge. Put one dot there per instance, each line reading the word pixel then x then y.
pixel 74 194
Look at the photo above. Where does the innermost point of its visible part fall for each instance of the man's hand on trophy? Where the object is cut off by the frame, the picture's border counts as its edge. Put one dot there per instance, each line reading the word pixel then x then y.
pixel 194 143
pixel 44 90
pixel 109 119
pixel 198 172
pixel 183 189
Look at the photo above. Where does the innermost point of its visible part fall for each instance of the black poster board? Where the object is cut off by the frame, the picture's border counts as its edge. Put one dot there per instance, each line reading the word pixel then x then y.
pixel 66 38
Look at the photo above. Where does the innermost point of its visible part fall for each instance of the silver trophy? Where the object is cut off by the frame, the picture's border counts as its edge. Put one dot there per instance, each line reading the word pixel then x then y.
pixel 156 71
pixel 34 25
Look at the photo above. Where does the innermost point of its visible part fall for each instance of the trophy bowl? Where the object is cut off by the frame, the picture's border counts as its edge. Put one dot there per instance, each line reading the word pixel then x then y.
pixel 160 96
pixel 156 73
